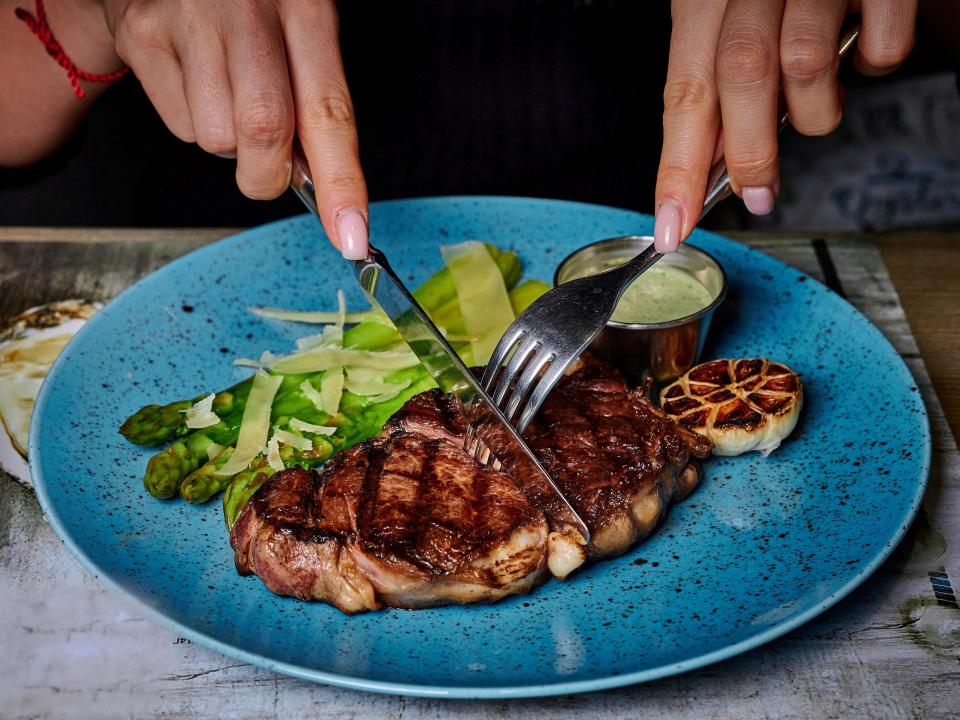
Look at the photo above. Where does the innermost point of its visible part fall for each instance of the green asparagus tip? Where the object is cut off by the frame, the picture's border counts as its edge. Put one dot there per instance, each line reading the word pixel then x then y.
pixel 241 489
pixel 156 424
pixel 203 483
pixel 165 470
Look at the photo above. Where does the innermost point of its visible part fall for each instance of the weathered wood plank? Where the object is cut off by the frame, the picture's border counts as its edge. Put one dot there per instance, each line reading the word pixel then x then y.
pixel 122 235
pixel 31 274
pixel 77 651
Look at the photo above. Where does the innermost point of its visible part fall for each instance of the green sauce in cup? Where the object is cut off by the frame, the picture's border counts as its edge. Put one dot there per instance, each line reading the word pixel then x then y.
pixel 662 293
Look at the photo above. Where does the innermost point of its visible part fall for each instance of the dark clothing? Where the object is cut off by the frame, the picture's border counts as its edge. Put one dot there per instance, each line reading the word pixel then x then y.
pixel 552 99
pixel 548 98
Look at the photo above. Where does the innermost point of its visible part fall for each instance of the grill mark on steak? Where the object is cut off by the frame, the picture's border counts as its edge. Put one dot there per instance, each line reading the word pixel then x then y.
pixel 423 499
pixel 370 488
pixel 408 519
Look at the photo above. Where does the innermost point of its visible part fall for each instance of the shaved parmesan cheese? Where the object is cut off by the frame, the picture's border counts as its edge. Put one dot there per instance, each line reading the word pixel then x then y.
pixel 266 357
pixel 255 423
pixel 366 386
pixel 310 341
pixel 390 394
pixel 331 391
pixel 322 317
pixel 312 394
pixel 303 426
pixel 325 358
pixel 332 337
pixel 288 438
pixel 273 455
pixel 201 414
pixel 364 374
pixel 481 294
pixel 341 309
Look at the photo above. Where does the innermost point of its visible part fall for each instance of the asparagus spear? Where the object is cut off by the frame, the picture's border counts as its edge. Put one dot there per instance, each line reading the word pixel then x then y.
pixel 203 483
pixel 166 469
pixel 242 487
pixel 156 424
pixel 170 467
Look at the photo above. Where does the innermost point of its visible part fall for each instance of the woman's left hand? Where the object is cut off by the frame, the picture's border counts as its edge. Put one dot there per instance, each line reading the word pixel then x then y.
pixel 728 62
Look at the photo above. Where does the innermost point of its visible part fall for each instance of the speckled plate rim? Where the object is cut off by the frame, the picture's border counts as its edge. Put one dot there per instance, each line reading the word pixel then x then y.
pixel 456 692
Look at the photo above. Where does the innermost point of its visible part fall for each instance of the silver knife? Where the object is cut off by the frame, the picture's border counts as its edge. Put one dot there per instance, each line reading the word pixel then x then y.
pixel 445 366
pixel 487 422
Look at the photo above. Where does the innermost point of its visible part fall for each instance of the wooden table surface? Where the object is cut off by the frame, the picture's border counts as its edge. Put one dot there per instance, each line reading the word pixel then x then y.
pixel 925 269
pixel 889 650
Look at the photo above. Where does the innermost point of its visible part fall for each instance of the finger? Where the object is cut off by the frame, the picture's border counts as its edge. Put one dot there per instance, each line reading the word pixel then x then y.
pixel 326 127
pixel 887 35
pixel 144 44
pixel 748 73
pixel 691 120
pixel 206 84
pixel 809 41
pixel 262 105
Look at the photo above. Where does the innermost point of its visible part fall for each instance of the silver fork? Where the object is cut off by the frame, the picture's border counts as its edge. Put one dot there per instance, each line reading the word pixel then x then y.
pixel 553 332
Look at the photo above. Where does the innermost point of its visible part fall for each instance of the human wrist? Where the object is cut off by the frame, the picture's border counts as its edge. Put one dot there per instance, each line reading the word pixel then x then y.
pixel 81 28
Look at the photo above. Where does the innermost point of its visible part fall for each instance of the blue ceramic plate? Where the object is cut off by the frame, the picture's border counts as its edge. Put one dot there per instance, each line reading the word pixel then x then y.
pixel 764 545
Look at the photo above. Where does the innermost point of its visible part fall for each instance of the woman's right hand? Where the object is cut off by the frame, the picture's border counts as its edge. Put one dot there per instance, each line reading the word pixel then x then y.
pixel 239 78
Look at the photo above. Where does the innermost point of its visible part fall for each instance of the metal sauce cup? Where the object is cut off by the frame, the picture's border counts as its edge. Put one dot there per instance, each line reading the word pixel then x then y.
pixel 663 350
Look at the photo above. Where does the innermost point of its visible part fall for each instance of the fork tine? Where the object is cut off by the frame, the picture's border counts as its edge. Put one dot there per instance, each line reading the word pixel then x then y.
pixel 476 451
pixel 525 383
pixel 512 370
pixel 473 445
pixel 539 394
pixel 469 439
pixel 500 352
pixel 482 454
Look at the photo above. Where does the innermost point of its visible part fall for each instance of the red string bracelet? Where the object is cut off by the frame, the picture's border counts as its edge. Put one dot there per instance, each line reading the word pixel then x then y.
pixel 41 28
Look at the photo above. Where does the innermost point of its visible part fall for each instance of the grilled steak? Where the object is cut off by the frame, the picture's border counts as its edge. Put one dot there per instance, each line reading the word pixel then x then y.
pixel 409 520
pixel 618 459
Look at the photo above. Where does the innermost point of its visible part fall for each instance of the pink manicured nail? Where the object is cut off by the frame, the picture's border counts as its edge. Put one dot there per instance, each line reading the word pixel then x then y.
pixel 666 230
pixel 352 234
pixel 759 200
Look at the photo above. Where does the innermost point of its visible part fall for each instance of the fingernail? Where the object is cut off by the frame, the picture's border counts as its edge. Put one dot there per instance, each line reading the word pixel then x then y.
pixel 227 155
pixel 352 234
pixel 759 200
pixel 666 229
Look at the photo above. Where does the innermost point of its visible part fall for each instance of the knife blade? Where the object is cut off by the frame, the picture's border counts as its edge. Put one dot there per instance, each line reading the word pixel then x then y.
pixel 386 290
